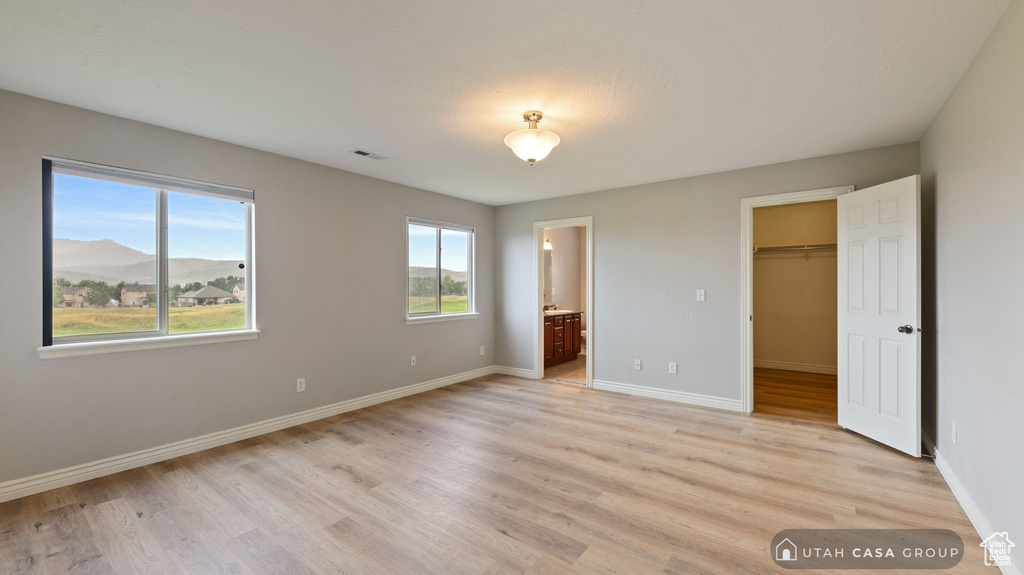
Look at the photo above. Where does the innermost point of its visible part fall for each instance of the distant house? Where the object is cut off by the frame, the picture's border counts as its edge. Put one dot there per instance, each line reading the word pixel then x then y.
pixel 75 297
pixel 208 295
pixel 239 292
pixel 134 295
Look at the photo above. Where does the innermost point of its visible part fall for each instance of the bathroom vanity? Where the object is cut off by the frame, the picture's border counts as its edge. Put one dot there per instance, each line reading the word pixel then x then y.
pixel 562 330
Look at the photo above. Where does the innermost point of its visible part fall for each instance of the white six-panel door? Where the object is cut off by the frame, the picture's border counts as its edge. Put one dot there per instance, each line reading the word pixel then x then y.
pixel 880 313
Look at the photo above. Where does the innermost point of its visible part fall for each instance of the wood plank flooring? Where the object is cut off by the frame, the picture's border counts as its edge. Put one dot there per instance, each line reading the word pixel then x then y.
pixel 497 475
pixel 806 396
pixel 574 371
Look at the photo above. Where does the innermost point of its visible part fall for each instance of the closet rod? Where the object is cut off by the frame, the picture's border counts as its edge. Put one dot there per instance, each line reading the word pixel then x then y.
pixel 795 247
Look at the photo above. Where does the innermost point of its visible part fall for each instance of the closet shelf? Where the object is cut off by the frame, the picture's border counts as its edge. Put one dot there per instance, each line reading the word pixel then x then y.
pixel 794 247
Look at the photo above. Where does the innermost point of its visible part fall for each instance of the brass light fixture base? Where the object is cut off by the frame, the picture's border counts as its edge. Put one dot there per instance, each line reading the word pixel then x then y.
pixel 533 116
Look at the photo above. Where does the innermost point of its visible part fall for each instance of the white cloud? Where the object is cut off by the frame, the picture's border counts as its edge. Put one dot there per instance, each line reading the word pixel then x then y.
pixel 206 223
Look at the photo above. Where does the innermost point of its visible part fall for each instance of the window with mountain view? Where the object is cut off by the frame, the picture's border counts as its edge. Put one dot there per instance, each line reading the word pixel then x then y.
pixel 440 269
pixel 138 255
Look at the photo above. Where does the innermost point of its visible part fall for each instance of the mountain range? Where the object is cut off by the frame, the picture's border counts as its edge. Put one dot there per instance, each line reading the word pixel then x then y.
pixel 109 261
pixel 425 272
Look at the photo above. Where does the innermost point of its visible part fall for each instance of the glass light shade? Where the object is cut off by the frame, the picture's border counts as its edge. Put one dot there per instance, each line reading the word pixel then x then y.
pixel 532 144
pixel 547 244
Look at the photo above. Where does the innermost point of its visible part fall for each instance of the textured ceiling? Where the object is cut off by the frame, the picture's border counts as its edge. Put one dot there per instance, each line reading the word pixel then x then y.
pixel 639 91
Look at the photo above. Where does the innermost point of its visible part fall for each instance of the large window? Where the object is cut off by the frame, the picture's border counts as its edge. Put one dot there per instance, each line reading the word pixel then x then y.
pixel 132 255
pixel 440 269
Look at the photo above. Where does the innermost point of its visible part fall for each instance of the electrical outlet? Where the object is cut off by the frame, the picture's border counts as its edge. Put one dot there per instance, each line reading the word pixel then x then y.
pixel 672 367
pixel 700 295
pixel 481 350
pixel 953 433
pixel 636 364
pixel 412 361
pixel 300 385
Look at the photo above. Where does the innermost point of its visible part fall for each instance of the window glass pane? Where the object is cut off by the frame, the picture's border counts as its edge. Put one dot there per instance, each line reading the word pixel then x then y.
pixel 422 269
pixel 206 263
pixel 104 256
pixel 454 271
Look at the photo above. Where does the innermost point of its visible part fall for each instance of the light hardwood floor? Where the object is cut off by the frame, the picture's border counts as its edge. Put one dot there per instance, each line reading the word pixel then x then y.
pixel 498 475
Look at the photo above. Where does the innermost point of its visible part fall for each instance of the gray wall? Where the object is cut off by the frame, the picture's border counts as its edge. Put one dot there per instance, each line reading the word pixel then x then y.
pixel 654 246
pixel 319 230
pixel 972 161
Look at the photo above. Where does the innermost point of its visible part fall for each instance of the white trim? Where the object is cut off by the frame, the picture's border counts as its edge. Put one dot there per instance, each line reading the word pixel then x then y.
pixel 439 224
pixel 670 395
pixel 801 367
pixel 139 344
pixel 747 206
pixel 586 222
pixel 137 177
pixel 515 372
pixel 53 479
pixel 435 318
pixel 978 519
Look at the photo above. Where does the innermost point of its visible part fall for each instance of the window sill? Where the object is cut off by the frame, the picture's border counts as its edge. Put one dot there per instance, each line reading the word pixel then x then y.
pixel 101 347
pixel 436 318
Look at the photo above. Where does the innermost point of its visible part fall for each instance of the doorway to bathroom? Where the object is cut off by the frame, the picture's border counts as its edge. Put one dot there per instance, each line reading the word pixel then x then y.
pixel 564 300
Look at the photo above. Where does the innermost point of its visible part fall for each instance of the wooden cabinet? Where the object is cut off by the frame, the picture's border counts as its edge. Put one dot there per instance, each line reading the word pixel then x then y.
pixel 561 337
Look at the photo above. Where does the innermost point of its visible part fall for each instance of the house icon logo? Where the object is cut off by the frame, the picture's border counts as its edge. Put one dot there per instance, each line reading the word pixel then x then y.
pixel 997 549
pixel 785 550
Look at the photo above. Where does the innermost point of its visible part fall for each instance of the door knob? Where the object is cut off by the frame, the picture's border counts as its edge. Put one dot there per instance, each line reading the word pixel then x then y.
pixel 905 329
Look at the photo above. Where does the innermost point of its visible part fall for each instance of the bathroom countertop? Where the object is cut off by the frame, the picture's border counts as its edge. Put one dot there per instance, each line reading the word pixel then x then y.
pixel 556 312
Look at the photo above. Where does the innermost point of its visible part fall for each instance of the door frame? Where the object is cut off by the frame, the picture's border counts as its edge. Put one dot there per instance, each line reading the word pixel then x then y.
pixel 538 293
pixel 747 206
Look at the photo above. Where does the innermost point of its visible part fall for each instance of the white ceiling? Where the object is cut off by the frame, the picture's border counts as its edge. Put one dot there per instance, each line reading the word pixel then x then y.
pixel 639 91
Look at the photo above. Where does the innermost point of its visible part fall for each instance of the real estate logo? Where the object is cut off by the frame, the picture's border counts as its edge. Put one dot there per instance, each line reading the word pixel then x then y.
pixel 786 551
pixel 865 549
pixel 997 549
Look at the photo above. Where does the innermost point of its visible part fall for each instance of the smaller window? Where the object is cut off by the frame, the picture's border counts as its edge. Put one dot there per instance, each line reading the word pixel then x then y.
pixel 440 265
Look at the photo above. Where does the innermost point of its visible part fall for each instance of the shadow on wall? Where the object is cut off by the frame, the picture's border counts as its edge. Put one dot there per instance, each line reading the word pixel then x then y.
pixel 929 329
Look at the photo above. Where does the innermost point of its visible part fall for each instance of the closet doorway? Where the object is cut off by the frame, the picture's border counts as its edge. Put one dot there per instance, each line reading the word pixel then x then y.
pixel 564 300
pixel 790 316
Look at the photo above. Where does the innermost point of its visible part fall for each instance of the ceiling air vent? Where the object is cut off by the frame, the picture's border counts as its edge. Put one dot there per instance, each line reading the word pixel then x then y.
pixel 368 154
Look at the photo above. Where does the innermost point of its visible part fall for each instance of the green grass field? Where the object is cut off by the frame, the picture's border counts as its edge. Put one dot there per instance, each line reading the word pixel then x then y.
pixel 73 321
pixel 449 304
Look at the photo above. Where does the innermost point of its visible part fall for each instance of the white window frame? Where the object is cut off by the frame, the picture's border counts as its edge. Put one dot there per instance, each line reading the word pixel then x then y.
pixel 89 344
pixel 429 317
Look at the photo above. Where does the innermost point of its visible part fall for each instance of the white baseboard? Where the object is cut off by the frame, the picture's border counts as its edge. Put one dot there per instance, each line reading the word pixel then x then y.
pixel 53 479
pixel 802 367
pixel 515 372
pixel 978 519
pixel 670 395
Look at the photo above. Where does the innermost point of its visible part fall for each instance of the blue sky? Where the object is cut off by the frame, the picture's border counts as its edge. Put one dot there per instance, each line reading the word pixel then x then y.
pixel 198 226
pixel 423 248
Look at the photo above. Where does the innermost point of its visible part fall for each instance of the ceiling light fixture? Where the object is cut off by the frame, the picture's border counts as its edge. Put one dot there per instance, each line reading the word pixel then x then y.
pixel 532 144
